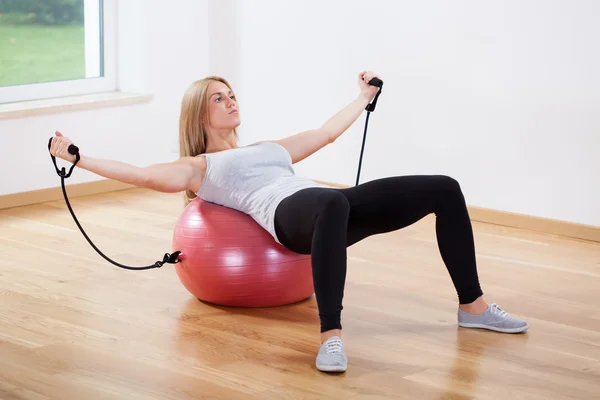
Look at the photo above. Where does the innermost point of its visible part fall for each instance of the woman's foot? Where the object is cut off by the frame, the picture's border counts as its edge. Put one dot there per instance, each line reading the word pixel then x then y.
pixel 492 317
pixel 331 357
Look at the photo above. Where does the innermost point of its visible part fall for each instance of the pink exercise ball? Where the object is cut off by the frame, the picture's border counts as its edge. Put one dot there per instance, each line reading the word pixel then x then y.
pixel 228 259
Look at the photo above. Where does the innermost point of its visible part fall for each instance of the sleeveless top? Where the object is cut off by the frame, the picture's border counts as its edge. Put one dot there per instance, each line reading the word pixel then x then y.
pixel 252 179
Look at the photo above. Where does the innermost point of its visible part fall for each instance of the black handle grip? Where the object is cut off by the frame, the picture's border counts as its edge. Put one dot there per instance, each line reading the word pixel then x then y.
pixel 379 83
pixel 376 82
pixel 72 150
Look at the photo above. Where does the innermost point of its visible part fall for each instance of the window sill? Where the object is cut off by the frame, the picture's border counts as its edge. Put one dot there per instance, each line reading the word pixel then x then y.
pixel 70 103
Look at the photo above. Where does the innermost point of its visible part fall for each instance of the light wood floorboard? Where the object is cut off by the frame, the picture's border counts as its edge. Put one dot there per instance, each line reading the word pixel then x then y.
pixel 73 326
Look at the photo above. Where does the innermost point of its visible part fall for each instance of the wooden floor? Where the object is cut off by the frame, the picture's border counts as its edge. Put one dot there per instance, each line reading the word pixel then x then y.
pixel 73 326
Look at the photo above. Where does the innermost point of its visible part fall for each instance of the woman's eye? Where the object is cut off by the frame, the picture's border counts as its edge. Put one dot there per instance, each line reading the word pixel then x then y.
pixel 220 98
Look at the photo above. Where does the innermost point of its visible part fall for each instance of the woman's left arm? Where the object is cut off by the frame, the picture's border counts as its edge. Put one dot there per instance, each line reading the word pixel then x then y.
pixel 304 144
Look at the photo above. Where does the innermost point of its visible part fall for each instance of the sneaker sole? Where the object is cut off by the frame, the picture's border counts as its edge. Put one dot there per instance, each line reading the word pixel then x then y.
pixel 331 368
pixel 492 328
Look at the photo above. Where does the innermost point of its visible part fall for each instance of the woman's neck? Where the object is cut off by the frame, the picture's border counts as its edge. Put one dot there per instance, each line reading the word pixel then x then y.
pixel 221 142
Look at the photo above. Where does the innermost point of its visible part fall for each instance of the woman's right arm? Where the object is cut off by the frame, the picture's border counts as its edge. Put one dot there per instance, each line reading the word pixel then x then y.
pixel 183 174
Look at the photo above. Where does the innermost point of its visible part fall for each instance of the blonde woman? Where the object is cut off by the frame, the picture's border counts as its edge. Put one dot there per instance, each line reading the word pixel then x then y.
pixel 305 216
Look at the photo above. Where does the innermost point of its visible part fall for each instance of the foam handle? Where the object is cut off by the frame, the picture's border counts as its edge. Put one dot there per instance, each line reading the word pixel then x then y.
pixel 379 83
pixel 72 148
pixel 376 82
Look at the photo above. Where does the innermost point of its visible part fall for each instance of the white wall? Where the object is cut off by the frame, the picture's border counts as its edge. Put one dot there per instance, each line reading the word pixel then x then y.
pixel 162 50
pixel 504 96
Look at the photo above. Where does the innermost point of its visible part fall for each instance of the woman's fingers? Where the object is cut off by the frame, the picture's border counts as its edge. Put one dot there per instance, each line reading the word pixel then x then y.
pixel 60 147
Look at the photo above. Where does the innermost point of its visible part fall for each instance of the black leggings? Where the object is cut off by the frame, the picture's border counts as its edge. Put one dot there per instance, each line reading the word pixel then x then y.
pixel 323 222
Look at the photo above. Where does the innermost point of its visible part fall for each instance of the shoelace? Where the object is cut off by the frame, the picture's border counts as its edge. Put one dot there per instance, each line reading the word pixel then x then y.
pixel 334 346
pixel 498 311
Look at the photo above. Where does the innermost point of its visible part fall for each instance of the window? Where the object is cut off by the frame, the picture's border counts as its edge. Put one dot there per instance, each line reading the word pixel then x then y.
pixel 56 48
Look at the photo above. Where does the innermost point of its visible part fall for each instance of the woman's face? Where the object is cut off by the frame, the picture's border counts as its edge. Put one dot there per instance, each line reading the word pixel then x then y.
pixel 222 107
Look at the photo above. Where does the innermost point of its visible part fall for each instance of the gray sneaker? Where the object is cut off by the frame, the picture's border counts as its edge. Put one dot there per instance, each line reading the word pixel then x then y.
pixel 331 357
pixel 494 318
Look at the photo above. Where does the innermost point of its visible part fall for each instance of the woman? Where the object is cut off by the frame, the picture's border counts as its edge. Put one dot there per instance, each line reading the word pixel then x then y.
pixel 305 216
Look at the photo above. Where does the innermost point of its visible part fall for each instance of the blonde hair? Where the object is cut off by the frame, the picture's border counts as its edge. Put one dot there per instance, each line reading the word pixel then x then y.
pixel 193 138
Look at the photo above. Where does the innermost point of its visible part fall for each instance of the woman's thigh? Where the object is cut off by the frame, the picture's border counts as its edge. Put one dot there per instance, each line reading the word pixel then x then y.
pixel 374 207
pixel 388 204
pixel 297 215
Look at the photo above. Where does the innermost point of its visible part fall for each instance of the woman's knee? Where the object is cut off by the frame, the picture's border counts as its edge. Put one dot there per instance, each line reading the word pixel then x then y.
pixel 446 184
pixel 449 189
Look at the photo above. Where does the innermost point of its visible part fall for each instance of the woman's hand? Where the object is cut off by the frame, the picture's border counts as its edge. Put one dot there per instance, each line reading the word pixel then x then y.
pixel 366 90
pixel 59 147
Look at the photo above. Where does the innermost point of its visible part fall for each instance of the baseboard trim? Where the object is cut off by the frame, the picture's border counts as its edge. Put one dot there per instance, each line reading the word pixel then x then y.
pixel 527 222
pixel 52 194
pixel 478 214
pixel 537 224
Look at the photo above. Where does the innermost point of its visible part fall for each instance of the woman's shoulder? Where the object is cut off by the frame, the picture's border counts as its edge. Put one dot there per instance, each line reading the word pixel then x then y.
pixel 199 164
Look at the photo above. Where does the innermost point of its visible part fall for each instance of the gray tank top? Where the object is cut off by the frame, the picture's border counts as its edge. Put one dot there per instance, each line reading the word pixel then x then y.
pixel 252 179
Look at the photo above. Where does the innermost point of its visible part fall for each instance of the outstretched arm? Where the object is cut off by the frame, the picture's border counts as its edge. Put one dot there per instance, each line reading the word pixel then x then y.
pixel 180 175
pixel 303 144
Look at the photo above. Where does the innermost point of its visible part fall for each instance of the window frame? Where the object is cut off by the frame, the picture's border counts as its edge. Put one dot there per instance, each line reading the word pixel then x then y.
pixel 101 32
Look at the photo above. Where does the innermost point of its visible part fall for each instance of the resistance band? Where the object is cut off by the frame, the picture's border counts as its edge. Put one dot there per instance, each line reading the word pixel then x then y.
pixel 370 108
pixel 168 258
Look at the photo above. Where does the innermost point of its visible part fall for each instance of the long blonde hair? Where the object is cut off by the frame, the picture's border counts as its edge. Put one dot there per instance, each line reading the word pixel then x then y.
pixel 193 136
